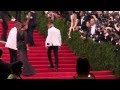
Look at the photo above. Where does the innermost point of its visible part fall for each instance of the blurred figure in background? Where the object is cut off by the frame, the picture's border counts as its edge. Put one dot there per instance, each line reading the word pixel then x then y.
pixel 31 21
pixel 18 16
pixel 16 69
pixel 4 20
pixel 4 67
pixel 83 69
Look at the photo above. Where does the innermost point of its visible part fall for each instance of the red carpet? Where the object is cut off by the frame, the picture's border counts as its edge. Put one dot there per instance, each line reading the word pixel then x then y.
pixel 38 58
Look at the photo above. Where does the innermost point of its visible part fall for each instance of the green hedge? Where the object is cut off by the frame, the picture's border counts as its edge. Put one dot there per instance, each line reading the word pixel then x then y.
pixel 101 56
pixel 23 14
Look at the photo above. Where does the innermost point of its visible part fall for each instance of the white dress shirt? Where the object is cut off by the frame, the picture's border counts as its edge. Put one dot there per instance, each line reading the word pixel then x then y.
pixel 82 19
pixel 11 40
pixel 93 27
pixel 53 38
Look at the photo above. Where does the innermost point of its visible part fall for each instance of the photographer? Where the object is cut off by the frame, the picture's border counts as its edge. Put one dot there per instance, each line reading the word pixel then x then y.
pixel 100 33
pixel 117 34
pixel 93 24
pixel 117 27
pixel 107 34
pixel 83 24
pixel 117 46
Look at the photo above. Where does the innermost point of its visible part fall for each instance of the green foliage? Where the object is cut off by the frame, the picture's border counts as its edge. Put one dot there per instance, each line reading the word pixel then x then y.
pixel 23 15
pixel 12 13
pixel 42 23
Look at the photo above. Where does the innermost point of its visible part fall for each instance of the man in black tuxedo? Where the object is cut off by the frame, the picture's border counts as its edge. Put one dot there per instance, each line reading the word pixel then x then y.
pixel 4 68
pixel 83 19
pixel 3 15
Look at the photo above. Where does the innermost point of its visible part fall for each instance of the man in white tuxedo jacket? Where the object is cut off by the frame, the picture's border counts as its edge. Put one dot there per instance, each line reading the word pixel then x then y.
pixel 53 42
pixel 11 43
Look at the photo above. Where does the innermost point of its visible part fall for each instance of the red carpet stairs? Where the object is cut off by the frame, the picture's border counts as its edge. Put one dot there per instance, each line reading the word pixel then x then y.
pixel 38 58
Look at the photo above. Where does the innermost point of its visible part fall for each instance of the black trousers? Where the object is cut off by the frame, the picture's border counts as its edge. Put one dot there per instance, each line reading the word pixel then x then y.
pixel 13 55
pixel 55 49
pixel 4 31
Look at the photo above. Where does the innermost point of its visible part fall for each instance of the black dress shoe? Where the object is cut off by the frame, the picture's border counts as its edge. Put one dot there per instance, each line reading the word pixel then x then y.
pixel 50 66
